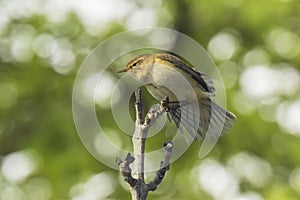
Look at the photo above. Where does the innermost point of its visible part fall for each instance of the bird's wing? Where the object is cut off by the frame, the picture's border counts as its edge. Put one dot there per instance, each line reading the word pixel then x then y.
pixel 184 116
pixel 206 84
pixel 208 117
pixel 197 123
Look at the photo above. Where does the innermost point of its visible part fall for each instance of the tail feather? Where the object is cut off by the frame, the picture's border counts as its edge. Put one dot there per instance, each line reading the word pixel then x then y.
pixel 211 115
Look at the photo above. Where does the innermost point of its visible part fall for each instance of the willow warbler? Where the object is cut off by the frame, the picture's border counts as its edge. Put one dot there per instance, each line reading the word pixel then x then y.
pixel 166 75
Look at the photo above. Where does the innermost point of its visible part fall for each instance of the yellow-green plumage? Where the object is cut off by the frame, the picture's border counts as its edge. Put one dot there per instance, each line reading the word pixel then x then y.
pixel 164 75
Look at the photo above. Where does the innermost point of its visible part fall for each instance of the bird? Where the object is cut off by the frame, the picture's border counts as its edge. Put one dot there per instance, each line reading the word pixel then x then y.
pixel 189 93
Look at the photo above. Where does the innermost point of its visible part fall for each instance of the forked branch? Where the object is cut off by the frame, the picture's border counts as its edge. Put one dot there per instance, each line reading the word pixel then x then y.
pixel 139 189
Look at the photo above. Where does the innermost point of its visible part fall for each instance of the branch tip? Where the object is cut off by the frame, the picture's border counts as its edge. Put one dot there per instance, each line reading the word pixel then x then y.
pixel 118 161
pixel 129 158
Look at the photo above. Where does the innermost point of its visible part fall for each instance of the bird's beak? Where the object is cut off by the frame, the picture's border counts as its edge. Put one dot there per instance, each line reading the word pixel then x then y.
pixel 122 70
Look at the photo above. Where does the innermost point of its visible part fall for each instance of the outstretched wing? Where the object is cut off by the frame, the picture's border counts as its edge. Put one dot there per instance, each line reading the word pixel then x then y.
pixel 197 121
pixel 198 118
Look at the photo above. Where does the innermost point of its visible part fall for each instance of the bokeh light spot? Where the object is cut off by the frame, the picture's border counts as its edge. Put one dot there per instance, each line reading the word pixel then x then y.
pixel 255 170
pixel 256 56
pixel 96 15
pixel 288 117
pixel 98 186
pixel 284 42
pixel 215 179
pixel 261 82
pixel 22 37
pixel 17 166
pixel 104 90
pixel 38 189
pixel 58 51
pixel 223 46
pixel 105 85
pixel 142 18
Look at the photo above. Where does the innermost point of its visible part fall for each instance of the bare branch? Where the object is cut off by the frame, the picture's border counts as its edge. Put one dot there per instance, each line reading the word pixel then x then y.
pixel 168 146
pixel 152 116
pixel 139 189
pixel 139 138
pixel 164 167
pixel 139 106
pixel 126 170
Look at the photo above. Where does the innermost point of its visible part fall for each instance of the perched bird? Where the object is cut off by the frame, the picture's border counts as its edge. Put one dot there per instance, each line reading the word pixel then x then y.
pixel 189 92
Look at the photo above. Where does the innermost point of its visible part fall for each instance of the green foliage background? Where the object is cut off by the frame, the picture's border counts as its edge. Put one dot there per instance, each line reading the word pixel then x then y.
pixel 36 119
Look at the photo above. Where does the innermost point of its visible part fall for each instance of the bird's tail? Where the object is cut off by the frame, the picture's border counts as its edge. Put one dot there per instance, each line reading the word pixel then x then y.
pixel 214 117
pixel 209 118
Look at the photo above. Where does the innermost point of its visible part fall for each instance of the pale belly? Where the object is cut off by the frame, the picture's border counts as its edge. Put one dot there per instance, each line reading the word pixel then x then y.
pixel 178 93
pixel 160 92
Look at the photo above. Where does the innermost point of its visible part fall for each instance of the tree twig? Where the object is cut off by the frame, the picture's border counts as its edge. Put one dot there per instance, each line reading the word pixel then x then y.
pixel 139 138
pixel 126 170
pixel 139 189
pixel 139 106
pixel 164 167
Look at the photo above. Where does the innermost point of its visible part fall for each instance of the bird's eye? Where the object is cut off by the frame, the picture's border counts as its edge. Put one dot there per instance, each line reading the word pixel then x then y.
pixel 135 63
